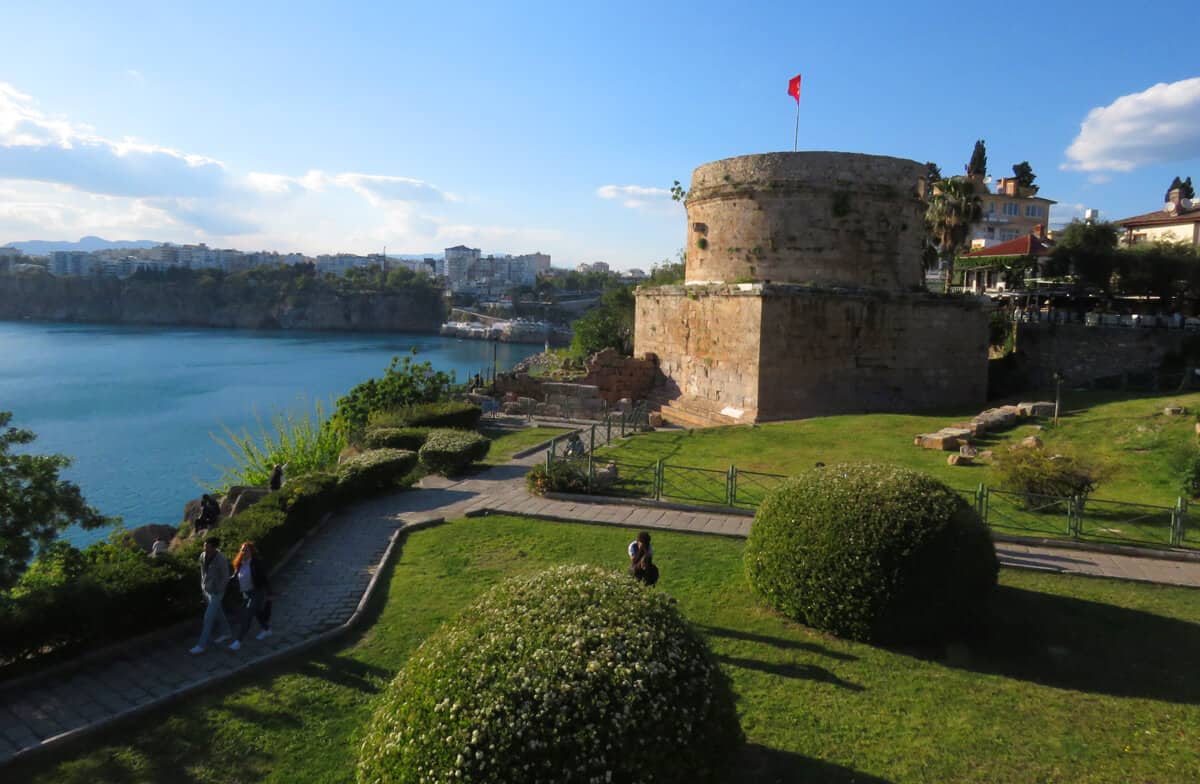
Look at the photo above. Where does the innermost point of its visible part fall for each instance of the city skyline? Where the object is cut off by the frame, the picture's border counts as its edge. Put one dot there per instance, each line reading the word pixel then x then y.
pixel 297 128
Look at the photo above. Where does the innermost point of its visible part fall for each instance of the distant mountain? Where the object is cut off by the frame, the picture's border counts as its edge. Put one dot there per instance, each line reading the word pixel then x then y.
pixel 88 244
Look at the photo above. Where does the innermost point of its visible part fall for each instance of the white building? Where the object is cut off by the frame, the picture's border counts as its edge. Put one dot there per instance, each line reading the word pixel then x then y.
pixel 460 260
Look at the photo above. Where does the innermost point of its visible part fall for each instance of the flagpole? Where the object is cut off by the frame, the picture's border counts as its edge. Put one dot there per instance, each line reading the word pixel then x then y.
pixel 796 139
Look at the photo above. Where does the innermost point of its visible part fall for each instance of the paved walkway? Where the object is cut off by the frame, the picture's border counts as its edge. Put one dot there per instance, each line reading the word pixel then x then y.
pixel 320 588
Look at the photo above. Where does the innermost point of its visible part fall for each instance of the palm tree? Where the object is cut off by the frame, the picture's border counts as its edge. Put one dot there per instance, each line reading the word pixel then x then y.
pixel 953 207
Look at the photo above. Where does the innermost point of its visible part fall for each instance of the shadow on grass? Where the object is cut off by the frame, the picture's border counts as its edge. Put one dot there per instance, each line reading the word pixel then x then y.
pixel 763 765
pixel 775 642
pixel 808 672
pixel 1083 645
pixel 346 672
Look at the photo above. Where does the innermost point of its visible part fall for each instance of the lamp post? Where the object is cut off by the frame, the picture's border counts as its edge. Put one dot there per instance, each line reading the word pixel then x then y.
pixel 1057 395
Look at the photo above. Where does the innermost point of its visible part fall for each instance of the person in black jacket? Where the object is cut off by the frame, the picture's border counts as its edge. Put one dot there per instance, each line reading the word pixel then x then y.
pixel 251 574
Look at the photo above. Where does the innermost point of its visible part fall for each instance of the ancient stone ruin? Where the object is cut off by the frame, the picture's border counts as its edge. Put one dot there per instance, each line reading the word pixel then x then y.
pixel 804 296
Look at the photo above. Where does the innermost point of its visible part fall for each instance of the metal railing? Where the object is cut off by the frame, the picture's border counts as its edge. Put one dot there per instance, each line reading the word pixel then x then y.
pixel 1026 514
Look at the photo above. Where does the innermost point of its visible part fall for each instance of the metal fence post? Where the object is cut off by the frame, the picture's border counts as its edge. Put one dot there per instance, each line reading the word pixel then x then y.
pixel 607 428
pixel 622 424
pixel 1178 521
pixel 1074 524
pixel 550 453
pixel 591 462
pixel 731 486
pixel 658 480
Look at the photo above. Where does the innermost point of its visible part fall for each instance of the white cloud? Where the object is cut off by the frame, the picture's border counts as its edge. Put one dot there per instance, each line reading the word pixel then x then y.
pixel 1065 212
pixel 1158 125
pixel 60 179
pixel 638 197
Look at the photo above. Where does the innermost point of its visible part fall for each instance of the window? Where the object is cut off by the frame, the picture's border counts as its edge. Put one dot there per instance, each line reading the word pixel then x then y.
pixel 1008 234
pixel 991 208
pixel 1033 211
pixel 1012 208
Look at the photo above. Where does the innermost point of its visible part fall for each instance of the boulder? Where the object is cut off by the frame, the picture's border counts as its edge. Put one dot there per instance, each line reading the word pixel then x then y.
pixel 513 408
pixel 938 440
pixel 240 498
pixel 958 460
pixel 1041 409
pixel 145 536
pixel 1031 442
pixel 191 511
pixel 1174 411
pixel 655 420
pixel 605 477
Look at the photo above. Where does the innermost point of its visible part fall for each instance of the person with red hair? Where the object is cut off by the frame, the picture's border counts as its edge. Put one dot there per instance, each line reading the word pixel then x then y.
pixel 255 585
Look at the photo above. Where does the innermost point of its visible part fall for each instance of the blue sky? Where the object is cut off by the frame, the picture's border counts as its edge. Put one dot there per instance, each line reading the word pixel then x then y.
pixel 557 127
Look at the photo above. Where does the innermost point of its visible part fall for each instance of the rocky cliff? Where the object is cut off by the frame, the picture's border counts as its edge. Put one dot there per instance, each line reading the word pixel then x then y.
pixel 187 303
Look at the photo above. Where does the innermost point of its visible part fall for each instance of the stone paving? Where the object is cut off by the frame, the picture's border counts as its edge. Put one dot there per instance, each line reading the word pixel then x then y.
pixel 319 589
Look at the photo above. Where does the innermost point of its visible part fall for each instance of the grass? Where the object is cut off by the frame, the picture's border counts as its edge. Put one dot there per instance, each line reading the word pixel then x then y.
pixel 506 443
pixel 1145 451
pixel 1081 680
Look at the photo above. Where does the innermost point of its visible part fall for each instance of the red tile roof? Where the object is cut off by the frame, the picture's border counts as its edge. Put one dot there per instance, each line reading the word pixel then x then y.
pixel 1029 245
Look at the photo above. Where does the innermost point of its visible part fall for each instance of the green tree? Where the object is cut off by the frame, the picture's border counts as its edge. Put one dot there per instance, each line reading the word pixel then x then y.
pixel 952 209
pixel 1186 189
pixel 1024 174
pixel 977 167
pixel 1087 250
pixel 35 504
pixel 608 326
pixel 1175 183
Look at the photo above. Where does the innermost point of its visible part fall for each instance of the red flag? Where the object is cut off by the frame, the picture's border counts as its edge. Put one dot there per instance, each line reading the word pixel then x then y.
pixel 794 87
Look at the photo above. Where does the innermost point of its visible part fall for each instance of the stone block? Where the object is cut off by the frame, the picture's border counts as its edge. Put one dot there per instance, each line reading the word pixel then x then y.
pixel 1031 442
pixel 513 408
pixel 655 420
pixel 938 440
pixel 552 409
pixel 1174 411
pixel 1041 409
pixel 527 404
pixel 958 460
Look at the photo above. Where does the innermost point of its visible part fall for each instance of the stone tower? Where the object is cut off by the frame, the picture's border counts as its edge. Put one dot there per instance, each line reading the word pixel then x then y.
pixel 804 296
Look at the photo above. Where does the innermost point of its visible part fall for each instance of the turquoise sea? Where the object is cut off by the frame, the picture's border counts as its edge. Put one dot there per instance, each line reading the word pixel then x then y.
pixel 136 407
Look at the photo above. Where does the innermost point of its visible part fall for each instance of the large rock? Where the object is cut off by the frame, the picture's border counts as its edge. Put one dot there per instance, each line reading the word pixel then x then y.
pixel 145 536
pixel 240 498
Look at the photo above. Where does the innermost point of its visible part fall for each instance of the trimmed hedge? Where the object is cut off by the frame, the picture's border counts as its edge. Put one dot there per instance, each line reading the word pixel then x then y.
pixel 376 469
pixel 449 452
pixel 462 416
pixel 573 674
pixel 410 438
pixel 109 591
pixel 872 553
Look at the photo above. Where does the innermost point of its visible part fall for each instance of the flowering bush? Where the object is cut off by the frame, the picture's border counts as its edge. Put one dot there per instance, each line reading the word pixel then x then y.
pixel 575 674
pixel 412 438
pixel 560 477
pixel 449 452
pixel 446 413
pixel 871 552
pixel 375 469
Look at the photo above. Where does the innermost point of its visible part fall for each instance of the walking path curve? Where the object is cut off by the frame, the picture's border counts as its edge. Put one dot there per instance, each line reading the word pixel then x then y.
pixel 321 589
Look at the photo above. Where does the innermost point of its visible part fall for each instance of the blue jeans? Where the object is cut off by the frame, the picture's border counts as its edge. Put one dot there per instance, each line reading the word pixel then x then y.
pixel 255 607
pixel 214 615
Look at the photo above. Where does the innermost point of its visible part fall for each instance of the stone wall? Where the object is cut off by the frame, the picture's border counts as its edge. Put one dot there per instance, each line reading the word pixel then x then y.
pixel 706 341
pixel 610 378
pixel 756 353
pixel 861 352
pixel 1083 354
pixel 813 217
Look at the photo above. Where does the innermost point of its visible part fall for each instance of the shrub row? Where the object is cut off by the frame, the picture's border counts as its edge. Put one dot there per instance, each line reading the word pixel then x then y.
pixel 71 599
pixel 463 416
pixel 573 674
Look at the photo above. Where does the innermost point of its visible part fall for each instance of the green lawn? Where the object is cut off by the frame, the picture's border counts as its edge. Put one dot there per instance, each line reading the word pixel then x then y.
pixel 506 443
pixel 1144 451
pixel 1082 680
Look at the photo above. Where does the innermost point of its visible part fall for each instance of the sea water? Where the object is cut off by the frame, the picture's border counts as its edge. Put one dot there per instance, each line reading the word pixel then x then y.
pixel 137 408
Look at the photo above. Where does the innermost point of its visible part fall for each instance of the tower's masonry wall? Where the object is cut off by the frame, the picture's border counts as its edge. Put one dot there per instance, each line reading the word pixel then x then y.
pixel 707 345
pixel 859 352
pixel 816 217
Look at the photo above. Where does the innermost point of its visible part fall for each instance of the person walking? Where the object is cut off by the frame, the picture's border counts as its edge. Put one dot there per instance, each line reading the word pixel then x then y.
pixel 256 590
pixel 214 576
